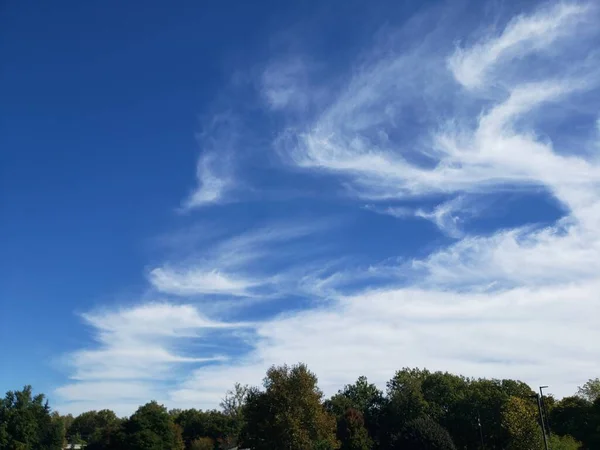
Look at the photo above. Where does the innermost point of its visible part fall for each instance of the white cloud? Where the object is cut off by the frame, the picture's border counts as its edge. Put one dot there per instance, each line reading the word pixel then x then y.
pixel 467 160
pixel 564 253
pixel 399 212
pixel 162 318
pixel 445 216
pixel 101 390
pixel 137 349
pixel 284 84
pixel 198 281
pixel 235 265
pixel 524 35
pixel 520 333
pixel 211 187
pixel 218 141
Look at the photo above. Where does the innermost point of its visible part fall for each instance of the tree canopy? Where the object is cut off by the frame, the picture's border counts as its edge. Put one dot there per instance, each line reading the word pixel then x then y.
pixel 288 413
pixel 94 428
pixel 26 422
pixel 418 410
pixel 150 428
pixel 590 391
pixel 422 433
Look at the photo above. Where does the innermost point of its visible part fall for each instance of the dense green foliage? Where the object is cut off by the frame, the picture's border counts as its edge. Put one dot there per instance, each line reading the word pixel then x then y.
pixel 26 422
pixel 422 433
pixel 418 410
pixel 94 428
pixel 214 425
pixel 149 428
pixel 590 391
pixel 563 443
pixel 351 431
pixel 289 413
pixel 519 417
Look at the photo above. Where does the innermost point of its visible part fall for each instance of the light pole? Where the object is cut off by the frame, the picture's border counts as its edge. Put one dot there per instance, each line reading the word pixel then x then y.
pixel 544 409
pixel 539 405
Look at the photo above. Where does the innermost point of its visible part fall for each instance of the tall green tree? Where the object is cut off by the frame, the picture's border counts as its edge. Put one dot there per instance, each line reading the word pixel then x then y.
pixel 62 423
pixel 590 391
pixel 519 418
pixel 289 413
pixel 234 400
pixel 363 397
pixel 442 396
pixel 149 428
pixel 481 412
pixel 445 395
pixel 352 433
pixel 95 428
pixel 26 422
pixel 232 406
pixel 405 402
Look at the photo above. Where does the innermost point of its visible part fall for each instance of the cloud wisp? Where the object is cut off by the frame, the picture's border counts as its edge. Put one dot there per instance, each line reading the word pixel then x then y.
pixel 214 171
pixel 258 263
pixel 211 187
pixel 198 281
pixel 137 350
pixel 525 34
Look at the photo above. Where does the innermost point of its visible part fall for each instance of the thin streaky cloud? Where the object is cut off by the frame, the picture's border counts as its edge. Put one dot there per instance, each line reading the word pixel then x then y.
pixel 284 84
pixel 218 141
pixel 399 212
pixel 447 216
pixel 137 349
pixel 211 187
pixel 198 281
pixel 228 265
pixel 523 35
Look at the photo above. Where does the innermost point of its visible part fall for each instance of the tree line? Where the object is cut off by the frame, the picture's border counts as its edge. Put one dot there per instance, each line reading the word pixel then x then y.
pixel 418 410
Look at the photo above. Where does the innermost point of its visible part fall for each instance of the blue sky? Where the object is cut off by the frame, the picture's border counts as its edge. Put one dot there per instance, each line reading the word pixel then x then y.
pixel 192 192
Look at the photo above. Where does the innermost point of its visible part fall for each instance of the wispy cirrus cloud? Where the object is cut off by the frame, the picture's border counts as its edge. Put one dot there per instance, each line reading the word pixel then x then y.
pixel 211 187
pixel 218 141
pixel 525 34
pixel 417 119
pixel 284 84
pixel 447 216
pixel 198 281
pixel 255 263
pixel 400 212
pixel 460 159
pixel 137 349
